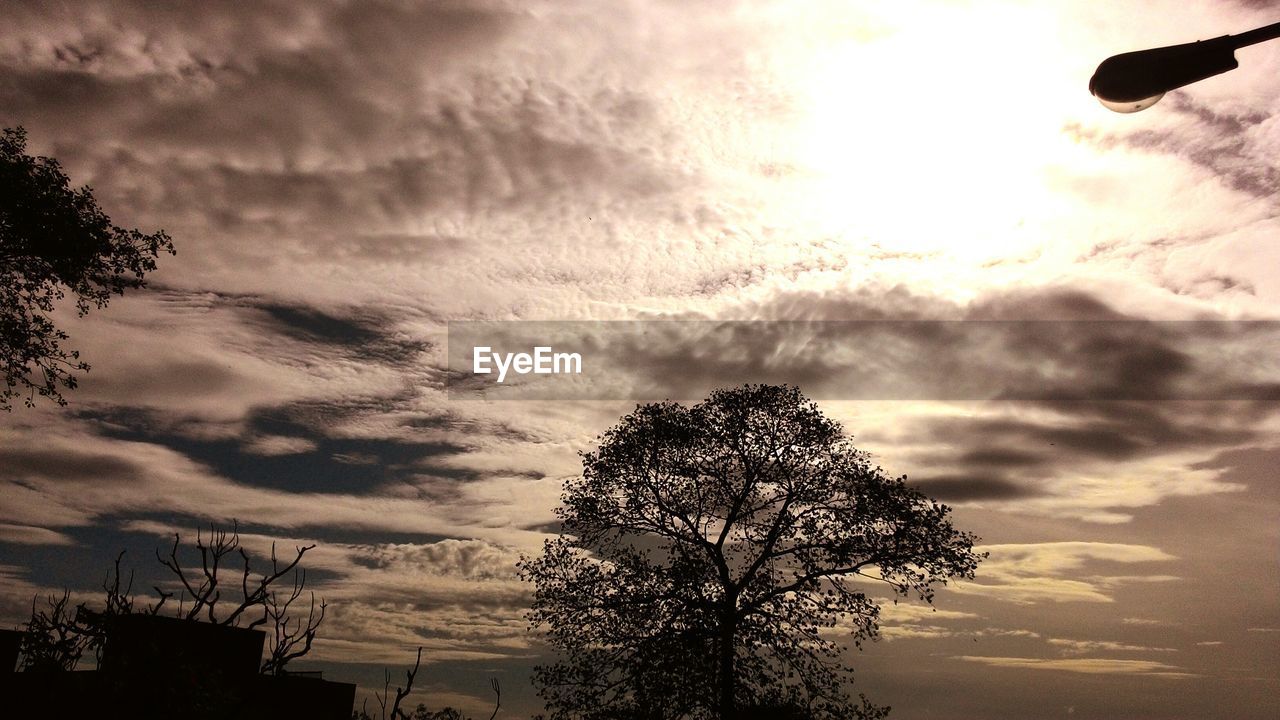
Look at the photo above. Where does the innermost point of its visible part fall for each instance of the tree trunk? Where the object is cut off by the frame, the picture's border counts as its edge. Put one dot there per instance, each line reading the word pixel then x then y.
pixel 727 678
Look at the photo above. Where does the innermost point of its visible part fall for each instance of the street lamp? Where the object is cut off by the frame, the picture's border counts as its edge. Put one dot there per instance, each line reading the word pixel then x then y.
pixel 1136 80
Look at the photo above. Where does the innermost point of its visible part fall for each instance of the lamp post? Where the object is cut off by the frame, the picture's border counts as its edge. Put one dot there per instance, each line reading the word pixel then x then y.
pixel 1134 81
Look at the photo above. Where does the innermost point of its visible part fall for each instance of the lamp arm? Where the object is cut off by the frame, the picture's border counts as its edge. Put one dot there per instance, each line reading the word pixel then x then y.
pixel 1253 37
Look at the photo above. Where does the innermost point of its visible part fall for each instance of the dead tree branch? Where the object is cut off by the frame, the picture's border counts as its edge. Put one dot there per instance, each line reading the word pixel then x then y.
pixel 289 632
pixel 203 586
pixel 401 693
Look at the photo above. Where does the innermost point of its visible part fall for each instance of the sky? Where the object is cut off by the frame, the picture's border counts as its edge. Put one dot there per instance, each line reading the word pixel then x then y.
pixel 342 180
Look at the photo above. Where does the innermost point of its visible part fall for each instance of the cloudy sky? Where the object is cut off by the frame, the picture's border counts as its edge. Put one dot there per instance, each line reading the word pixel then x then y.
pixel 342 180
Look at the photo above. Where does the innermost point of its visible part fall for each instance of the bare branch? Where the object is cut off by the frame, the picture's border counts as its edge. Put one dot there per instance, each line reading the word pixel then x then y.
pixel 401 694
pixel 291 638
pixel 497 703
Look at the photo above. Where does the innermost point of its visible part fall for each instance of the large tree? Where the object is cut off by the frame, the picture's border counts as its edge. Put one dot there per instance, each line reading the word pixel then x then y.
pixel 712 556
pixel 55 239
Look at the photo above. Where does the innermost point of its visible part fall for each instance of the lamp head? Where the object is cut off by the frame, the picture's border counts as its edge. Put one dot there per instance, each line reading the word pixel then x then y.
pixel 1136 80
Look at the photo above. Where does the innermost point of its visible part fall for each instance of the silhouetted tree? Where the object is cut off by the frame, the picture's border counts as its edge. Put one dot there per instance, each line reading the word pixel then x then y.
pixel 57 635
pixel 52 641
pixel 54 239
pixel 290 637
pixel 710 551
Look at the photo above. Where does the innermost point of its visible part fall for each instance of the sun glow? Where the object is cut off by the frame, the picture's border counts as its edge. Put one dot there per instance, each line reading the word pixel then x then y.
pixel 930 142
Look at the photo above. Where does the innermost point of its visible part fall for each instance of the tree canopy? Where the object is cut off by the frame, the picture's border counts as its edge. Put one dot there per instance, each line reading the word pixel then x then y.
pixel 712 556
pixel 54 239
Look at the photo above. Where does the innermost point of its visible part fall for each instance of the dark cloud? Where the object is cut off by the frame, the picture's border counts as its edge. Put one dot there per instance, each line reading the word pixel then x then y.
pixel 1001 457
pixel 1043 304
pixel 364 336
pixel 961 488
pixel 1081 394
pixel 986 352
pixel 62 464
pixel 1107 430
pixel 551 528
pixel 313 324
pixel 326 461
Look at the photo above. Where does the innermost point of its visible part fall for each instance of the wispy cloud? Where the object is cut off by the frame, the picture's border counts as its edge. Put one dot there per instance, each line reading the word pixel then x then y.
pixel 1090 666
pixel 1081 647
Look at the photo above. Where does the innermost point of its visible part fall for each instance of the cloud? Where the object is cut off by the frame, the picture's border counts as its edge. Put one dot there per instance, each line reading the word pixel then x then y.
pixel 192 357
pixel 28 535
pixel 953 353
pixel 900 620
pixel 899 632
pixel 901 612
pixel 48 490
pixel 16 594
pixel 1224 143
pixel 458 598
pixel 1067 398
pixel 466 558
pixel 1090 666
pixel 1082 647
pixel 960 488
pixel 275 445
pixel 105 467
pixel 1038 572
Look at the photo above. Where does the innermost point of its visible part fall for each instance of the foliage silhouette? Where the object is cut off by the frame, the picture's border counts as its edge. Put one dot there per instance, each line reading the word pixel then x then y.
pixel 709 552
pixel 54 239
